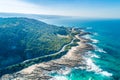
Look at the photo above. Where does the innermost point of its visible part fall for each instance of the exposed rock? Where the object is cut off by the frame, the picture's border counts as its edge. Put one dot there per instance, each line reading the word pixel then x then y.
pixel 42 70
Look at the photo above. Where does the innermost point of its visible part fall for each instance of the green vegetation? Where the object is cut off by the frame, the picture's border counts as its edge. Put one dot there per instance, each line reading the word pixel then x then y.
pixel 73 44
pixel 31 41
pixel 75 31
pixel 23 38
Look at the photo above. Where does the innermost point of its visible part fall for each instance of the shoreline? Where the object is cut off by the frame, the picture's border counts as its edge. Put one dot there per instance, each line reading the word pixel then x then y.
pixel 72 58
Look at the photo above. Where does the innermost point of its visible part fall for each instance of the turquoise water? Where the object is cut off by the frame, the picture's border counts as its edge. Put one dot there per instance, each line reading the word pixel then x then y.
pixel 106 66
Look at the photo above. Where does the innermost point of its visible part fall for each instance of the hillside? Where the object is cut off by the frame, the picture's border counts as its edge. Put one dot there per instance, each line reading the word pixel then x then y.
pixel 22 39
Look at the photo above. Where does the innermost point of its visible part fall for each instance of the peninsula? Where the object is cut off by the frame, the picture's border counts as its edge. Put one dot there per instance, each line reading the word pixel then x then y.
pixel 62 49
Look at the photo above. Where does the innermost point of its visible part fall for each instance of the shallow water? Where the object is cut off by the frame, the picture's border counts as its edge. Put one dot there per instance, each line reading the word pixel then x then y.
pixel 105 63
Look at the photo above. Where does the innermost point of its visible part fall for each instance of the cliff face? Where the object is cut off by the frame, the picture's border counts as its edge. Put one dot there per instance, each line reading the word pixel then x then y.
pixel 23 38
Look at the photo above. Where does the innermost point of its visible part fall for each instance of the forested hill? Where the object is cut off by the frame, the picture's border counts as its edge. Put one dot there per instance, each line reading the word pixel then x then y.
pixel 23 38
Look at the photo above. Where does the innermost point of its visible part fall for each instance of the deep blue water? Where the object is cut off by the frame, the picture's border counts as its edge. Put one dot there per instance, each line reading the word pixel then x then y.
pixel 108 34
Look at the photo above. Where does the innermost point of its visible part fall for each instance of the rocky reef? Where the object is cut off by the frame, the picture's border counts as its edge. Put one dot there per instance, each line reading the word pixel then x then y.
pixel 41 71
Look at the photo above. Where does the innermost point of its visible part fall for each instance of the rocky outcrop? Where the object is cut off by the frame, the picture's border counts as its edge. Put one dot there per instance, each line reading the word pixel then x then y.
pixel 42 70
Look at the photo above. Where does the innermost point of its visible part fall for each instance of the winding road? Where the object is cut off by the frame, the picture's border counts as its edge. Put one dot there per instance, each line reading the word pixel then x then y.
pixel 61 50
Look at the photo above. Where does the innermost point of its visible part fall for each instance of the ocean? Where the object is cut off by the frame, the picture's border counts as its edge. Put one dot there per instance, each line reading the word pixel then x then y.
pixel 104 62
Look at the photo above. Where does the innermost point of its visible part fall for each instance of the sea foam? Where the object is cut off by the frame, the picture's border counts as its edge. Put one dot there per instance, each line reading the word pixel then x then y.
pixel 61 74
pixel 87 36
pixel 98 49
pixel 93 67
pixel 90 37
pixel 64 71
pixel 95 41
pixel 59 78
pixel 91 54
pixel 90 65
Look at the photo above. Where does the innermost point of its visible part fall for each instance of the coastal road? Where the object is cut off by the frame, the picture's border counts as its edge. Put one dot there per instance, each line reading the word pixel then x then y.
pixel 61 50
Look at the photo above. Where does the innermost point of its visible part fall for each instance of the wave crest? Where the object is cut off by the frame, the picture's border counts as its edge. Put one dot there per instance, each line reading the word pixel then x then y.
pixel 59 78
pixel 92 67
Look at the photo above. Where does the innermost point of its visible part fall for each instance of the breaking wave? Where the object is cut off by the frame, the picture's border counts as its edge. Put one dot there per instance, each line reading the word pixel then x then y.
pixel 93 67
pixel 90 65
pixel 98 49
pixel 91 54
pixel 61 74
pixel 87 36
pixel 59 78
pixel 95 41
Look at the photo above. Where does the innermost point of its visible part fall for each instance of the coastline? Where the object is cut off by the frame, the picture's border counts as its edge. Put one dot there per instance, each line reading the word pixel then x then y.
pixel 42 71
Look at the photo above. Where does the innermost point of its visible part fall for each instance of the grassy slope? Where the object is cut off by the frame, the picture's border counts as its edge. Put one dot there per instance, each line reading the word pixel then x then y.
pixel 23 38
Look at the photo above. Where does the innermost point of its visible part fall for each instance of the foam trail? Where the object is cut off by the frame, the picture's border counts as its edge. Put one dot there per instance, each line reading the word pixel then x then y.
pixel 59 78
pixel 95 56
pixel 90 37
pixel 92 67
pixel 64 71
pixel 61 74
pixel 98 49
pixel 95 41
pixel 91 54
pixel 87 36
